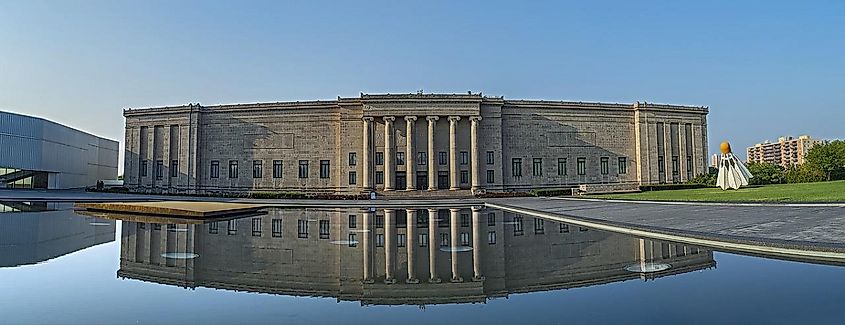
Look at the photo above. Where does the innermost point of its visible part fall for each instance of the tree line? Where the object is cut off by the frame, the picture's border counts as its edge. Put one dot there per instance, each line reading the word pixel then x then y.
pixel 824 162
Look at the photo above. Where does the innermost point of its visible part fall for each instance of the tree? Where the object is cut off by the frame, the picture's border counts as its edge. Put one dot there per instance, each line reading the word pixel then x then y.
pixel 765 173
pixel 829 158
pixel 803 174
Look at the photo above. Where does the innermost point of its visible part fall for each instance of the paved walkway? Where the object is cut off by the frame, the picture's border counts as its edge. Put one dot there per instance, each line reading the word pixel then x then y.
pixel 801 227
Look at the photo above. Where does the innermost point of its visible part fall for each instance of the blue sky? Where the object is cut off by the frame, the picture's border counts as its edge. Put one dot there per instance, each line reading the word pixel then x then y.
pixel 765 68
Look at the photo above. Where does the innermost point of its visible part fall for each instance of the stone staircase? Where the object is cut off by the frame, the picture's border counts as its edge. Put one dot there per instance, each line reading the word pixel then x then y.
pixel 423 194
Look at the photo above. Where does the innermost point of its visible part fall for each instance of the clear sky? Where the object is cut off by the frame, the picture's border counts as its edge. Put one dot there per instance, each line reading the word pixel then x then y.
pixel 765 68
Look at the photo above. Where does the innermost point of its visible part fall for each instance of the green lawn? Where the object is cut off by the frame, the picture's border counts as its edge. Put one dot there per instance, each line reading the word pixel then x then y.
pixel 803 192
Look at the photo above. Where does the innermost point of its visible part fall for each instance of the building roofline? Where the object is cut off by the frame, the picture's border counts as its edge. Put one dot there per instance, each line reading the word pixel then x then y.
pixel 59 124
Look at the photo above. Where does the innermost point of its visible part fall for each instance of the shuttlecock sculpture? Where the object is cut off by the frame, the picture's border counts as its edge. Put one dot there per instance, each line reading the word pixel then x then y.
pixel 732 173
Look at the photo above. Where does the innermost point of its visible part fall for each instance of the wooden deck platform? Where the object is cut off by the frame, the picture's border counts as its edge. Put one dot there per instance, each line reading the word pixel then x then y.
pixel 183 209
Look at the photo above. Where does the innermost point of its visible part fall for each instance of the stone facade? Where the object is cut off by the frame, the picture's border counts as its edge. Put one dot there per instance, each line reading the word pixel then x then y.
pixel 411 142
pixel 412 256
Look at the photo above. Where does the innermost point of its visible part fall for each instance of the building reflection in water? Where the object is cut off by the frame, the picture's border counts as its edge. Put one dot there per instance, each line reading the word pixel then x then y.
pixel 392 256
pixel 33 232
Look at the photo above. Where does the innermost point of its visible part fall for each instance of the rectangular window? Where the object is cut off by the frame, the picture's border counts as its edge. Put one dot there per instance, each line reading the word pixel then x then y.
pixel 159 169
pixel 442 158
pixel 232 227
pixel 464 156
pixel 464 239
pixel 277 227
pixel 143 169
pixel 516 167
pixel 444 240
pixel 491 219
pixel 464 220
pixel 539 226
pixel 422 158
pixel 353 159
pixel 564 228
pixel 324 169
pixel 174 168
pixel 353 240
pixel 422 218
pixel 379 240
pixel 661 166
pixel 215 169
pixel 379 221
pixel 623 165
pixel 537 167
pixel 675 166
pixel 353 178
pixel 689 167
pixel 257 167
pixel 400 158
pixel 400 240
pixel 277 169
pixel 605 169
pixel 379 158
pixel 517 226
pixel 379 177
pixel 464 175
pixel 491 177
pixel 233 169
pixel 213 228
pixel 324 229
pixel 156 226
pixel 491 237
pixel 561 167
pixel 303 169
pixel 582 166
pixel 256 227
pixel 302 228
pixel 490 158
pixel 353 221
pixel 423 240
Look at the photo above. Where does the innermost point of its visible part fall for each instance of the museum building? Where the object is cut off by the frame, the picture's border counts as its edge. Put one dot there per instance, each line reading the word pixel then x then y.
pixel 449 143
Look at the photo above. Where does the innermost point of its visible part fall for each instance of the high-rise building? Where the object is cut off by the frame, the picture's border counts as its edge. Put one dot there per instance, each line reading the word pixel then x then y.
pixel 714 160
pixel 786 152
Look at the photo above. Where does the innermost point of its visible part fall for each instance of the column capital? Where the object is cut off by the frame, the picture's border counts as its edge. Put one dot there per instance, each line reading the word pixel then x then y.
pixel 475 118
pixel 432 118
pixel 411 118
pixel 454 118
pixel 477 208
pixel 389 210
pixel 368 118
pixel 455 209
pixel 388 119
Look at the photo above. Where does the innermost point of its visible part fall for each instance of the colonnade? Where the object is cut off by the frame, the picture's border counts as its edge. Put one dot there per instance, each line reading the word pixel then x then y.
pixel 390 246
pixel 410 123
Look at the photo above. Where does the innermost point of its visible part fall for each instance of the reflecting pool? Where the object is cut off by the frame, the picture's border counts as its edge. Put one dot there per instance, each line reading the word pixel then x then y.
pixel 352 265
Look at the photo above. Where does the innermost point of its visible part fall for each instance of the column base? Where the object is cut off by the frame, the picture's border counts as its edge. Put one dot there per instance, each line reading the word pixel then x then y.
pixel 454 188
pixel 431 189
pixel 478 278
pixel 434 280
pixel 412 281
pixel 477 190
pixel 389 281
pixel 369 281
pixel 388 190
pixel 410 189
pixel 457 280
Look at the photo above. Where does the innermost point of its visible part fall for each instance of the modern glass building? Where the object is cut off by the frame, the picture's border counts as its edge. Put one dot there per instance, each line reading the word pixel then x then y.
pixel 37 153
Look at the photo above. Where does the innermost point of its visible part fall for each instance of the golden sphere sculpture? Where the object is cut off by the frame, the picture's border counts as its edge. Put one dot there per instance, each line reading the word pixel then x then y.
pixel 725 147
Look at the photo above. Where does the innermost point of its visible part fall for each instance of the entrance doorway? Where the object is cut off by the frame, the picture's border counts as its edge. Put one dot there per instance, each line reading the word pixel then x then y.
pixel 401 181
pixel 443 180
pixel 422 180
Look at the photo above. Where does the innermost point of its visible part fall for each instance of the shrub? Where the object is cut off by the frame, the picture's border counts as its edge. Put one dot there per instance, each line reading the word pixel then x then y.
pixel 765 173
pixel 703 179
pixel 804 174
pixel 552 192
pixel 663 187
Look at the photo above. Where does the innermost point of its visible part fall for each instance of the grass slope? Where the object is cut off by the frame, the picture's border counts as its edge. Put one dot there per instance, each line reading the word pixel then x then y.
pixel 802 192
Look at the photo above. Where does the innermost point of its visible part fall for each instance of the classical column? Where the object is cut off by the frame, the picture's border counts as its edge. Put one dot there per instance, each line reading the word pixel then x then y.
pixel 388 153
pixel 453 244
pixel 389 253
pixel 473 151
pixel 411 233
pixel 476 243
pixel 432 167
pixel 366 155
pixel 453 153
pixel 367 247
pixel 432 246
pixel 410 158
